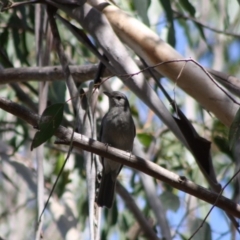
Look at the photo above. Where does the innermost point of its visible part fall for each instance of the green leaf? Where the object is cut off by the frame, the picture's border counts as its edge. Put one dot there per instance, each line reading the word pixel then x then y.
pixel 125 224
pixel 187 33
pixel 169 13
pixel 222 144
pixel 168 9
pixel 191 10
pixel 200 29
pixel 104 234
pixel 234 131
pixel 142 6
pixel 188 6
pixel 204 232
pixel 170 201
pixel 60 159
pixel 49 122
pixel 114 213
pixel 57 91
pixel 19 41
pixel 183 237
pixel 145 139
pixel 134 111
pixel 63 181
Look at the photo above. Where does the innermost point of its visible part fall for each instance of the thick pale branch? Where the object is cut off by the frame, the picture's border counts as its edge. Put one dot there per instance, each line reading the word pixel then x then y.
pixel 146 166
pixel 122 64
pixel 154 50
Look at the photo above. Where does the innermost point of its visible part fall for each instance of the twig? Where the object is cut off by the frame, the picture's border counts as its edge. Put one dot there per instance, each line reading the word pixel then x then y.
pixel 216 201
pixel 55 183
pixel 180 15
pixel 185 60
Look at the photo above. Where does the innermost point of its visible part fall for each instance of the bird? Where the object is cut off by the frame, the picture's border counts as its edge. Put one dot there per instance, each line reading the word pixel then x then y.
pixel 117 130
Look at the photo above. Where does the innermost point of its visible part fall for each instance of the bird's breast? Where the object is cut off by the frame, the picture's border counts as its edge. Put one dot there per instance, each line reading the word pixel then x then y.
pixel 119 130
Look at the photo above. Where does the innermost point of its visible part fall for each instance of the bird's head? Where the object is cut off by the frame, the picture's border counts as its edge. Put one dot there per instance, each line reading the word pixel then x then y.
pixel 117 99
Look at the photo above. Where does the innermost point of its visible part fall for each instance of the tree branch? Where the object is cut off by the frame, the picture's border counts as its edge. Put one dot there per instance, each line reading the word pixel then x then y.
pixel 147 44
pixel 129 201
pixel 53 73
pixel 146 166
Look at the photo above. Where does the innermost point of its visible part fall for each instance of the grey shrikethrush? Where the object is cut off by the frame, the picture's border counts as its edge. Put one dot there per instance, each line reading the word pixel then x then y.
pixel 117 130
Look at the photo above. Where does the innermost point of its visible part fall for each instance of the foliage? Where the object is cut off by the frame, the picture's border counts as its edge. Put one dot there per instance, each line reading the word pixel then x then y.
pixel 192 27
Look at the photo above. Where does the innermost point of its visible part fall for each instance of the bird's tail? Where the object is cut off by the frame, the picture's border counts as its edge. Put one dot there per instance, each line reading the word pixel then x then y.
pixel 106 191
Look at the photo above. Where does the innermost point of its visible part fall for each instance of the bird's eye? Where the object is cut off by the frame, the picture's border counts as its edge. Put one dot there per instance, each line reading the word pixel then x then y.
pixel 119 98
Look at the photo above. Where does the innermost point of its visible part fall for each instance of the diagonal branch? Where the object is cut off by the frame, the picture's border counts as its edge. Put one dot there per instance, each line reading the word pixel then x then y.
pixel 147 44
pixel 146 166
pixel 130 203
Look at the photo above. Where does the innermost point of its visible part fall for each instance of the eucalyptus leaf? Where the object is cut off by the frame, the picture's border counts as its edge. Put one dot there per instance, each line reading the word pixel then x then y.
pixel 188 6
pixel 49 122
pixel 145 139
pixel 169 14
pixel 204 232
pixel 142 6
pixel 170 201
pixel 234 131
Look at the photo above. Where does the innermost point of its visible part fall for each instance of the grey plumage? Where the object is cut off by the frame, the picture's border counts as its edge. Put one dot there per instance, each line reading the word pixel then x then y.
pixel 117 130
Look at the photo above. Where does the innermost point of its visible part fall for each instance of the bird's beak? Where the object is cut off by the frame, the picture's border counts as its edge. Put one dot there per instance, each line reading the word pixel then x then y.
pixel 107 94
